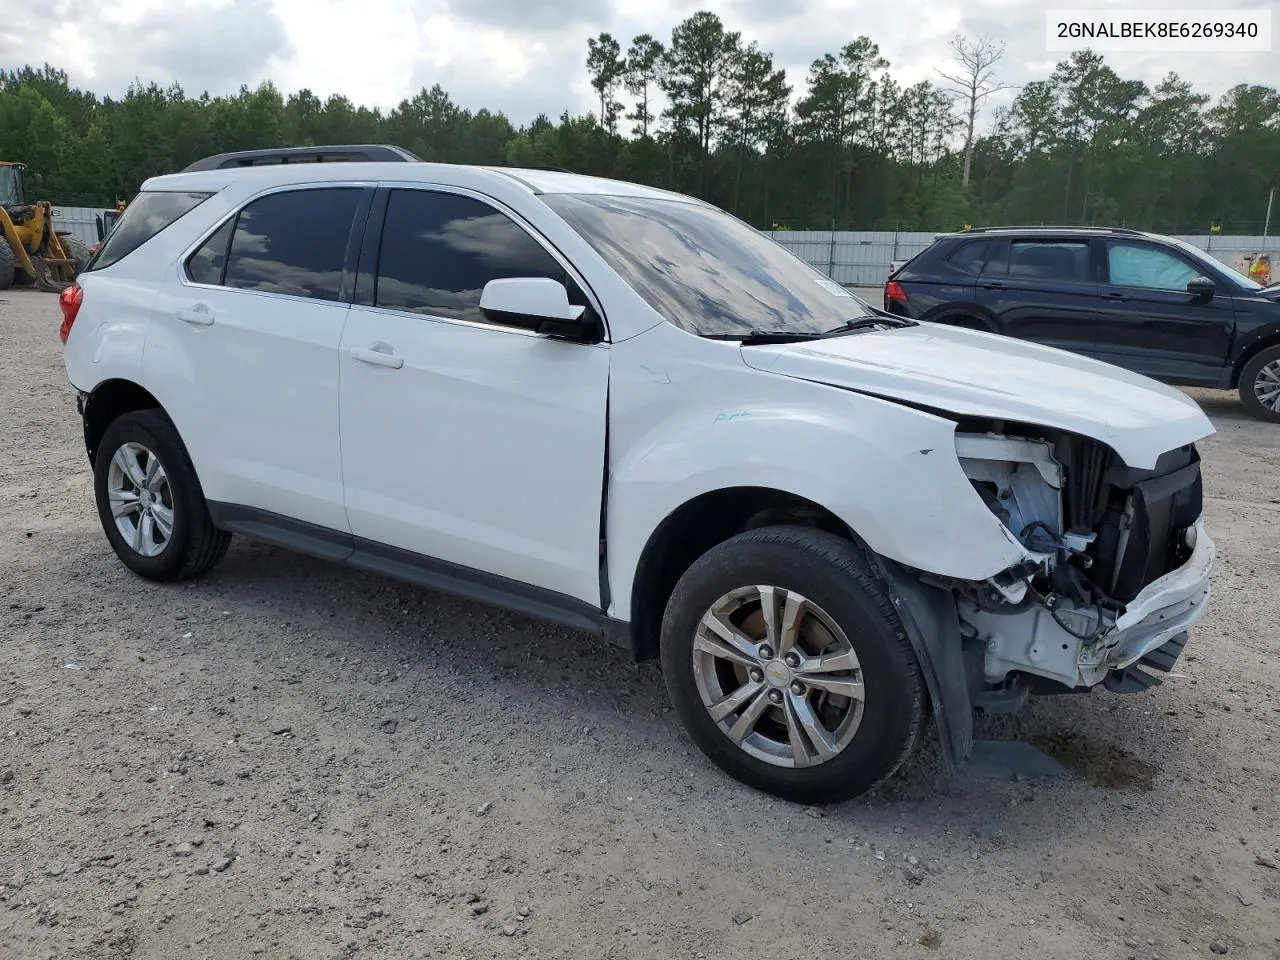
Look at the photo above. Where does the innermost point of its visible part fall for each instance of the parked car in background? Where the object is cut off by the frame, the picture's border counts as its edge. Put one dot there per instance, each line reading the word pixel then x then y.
pixel 1149 303
pixel 627 412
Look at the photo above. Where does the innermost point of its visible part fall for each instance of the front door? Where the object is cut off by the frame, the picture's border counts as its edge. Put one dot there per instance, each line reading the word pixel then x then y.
pixel 465 441
pixel 1149 322
pixel 1043 290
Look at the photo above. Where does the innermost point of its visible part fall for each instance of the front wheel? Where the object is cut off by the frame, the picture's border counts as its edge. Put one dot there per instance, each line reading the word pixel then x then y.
pixel 789 668
pixel 1260 384
pixel 150 502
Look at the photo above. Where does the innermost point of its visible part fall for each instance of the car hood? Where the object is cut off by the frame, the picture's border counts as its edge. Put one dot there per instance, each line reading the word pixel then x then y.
pixel 970 373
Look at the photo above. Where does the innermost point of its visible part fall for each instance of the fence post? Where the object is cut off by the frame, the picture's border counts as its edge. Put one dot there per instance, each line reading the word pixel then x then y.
pixel 895 244
pixel 831 256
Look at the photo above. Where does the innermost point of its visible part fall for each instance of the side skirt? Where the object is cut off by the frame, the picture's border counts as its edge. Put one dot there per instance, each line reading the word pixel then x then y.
pixel 439 575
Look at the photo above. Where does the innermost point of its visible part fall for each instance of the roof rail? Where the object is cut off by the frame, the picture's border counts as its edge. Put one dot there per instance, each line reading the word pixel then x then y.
pixel 1054 227
pixel 329 153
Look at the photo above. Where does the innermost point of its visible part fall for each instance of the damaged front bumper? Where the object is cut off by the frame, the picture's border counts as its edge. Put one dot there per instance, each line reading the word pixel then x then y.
pixel 1069 646
pixel 1167 606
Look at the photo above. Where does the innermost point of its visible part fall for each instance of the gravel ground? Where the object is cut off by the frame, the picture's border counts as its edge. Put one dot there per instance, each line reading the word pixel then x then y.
pixel 287 759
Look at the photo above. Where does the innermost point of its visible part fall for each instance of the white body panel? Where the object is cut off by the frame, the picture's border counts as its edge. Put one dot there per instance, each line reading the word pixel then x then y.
pixel 485 448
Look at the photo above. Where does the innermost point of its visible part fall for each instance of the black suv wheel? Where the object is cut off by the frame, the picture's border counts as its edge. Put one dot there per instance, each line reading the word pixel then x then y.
pixel 1260 384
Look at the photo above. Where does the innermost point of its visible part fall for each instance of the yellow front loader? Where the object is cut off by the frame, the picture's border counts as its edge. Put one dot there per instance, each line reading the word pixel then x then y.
pixel 32 251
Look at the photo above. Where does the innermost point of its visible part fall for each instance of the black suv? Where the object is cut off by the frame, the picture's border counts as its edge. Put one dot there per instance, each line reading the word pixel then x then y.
pixel 1149 303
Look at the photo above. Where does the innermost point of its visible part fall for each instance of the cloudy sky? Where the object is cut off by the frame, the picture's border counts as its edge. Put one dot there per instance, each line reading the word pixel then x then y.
pixel 527 56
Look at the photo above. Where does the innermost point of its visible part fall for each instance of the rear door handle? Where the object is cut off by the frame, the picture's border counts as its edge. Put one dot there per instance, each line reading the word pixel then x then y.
pixel 994 286
pixel 200 315
pixel 1115 297
pixel 380 355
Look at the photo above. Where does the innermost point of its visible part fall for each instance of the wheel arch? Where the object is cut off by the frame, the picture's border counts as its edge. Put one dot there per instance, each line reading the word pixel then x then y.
pixel 1268 339
pixel 693 528
pixel 979 317
pixel 107 402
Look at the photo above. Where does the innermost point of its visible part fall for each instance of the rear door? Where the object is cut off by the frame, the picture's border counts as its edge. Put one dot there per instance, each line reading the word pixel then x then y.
pixel 1151 324
pixel 246 351
pixel 1043 289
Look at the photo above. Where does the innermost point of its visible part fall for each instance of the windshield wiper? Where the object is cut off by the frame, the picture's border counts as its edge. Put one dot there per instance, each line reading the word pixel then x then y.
pixel 866 323
pixel 793 336
pixel 765 336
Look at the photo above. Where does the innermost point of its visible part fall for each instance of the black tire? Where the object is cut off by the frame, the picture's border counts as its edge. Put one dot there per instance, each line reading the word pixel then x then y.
pixel 8 265
pixel 196 545
pixel 76 251
pixel 834 574
pixel 1249 377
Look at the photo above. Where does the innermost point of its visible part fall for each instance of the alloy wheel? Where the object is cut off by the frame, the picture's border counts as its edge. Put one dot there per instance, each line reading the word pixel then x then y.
pixel 1266 386
pixel 141 500
pixel 778 676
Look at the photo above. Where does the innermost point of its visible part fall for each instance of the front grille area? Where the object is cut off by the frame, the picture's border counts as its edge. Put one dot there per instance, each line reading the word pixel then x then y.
pixel 1084 497
pixel 1162 508
pixel 1139 516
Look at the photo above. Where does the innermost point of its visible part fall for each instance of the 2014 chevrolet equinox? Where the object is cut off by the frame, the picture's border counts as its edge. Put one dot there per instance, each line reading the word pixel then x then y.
pixel 628 412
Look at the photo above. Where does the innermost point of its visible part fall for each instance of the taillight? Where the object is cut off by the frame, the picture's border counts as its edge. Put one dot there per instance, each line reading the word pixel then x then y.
pixel 893 292
pixel 69 300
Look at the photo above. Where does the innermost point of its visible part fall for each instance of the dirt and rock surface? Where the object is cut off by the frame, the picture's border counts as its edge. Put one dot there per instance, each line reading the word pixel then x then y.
pixel 291 760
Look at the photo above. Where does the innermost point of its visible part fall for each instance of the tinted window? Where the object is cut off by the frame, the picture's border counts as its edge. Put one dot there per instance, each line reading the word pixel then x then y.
pixel 705 271
pixel 1049 260
pixel 293 242
pixel 970 256
pixel 1212 265
pixel 440 249
pixel 207 263
pixel 148 214
pixel 1142 265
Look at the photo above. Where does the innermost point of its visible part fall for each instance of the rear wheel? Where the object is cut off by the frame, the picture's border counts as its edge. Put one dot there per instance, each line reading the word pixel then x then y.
pixel 789 668
pixel 1260 384
pixel 150 502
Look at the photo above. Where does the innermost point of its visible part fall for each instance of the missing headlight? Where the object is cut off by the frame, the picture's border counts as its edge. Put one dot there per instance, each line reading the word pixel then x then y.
pixel 1018 479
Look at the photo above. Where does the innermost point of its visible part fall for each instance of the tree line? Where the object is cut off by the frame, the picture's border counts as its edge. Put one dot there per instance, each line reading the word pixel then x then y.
pixel 709 113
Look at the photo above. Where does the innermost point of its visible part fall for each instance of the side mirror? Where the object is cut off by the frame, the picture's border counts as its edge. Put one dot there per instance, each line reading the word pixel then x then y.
pixel 536 302
pixel 1202 288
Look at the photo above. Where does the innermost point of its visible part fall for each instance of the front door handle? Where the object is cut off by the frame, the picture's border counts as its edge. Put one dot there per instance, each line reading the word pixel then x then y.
pixel 994 286
pixel 380 354
pixel 1114 297
pixel 200 315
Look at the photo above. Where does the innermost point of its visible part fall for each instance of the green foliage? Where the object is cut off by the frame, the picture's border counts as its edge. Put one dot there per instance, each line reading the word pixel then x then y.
pixel 712 116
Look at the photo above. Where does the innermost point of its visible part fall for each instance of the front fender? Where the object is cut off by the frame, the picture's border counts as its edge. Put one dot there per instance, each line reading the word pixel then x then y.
pixel 688 425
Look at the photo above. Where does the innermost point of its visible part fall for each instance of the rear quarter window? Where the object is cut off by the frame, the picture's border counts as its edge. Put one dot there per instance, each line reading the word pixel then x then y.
pixel 970 256
pixel 150 212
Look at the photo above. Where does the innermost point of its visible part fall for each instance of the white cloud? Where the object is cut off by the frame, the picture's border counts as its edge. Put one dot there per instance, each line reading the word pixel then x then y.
pixel 526 56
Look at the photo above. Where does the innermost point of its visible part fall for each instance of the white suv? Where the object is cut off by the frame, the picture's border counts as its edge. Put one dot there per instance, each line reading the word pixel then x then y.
pixel 627 412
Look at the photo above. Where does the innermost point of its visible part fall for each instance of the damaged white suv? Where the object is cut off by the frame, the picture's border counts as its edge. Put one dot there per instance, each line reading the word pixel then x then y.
pixel 628 412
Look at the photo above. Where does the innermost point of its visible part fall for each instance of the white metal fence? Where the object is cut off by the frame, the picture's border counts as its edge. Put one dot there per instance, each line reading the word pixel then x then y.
pixel 861 258
pixel 78 221
pixel 856 258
